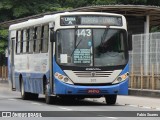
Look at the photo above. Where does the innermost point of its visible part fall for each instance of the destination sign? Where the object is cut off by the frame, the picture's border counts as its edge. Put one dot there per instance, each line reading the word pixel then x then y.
pixel 68 20
pixel 91 20
pixel 82 56
pixel 100 20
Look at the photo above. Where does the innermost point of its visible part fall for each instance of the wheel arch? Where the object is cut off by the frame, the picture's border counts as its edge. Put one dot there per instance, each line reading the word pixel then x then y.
pixel 20 80
pixel 44 82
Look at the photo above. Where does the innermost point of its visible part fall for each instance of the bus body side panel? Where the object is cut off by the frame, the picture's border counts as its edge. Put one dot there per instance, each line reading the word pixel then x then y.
pixel 32 68
pixel 32 82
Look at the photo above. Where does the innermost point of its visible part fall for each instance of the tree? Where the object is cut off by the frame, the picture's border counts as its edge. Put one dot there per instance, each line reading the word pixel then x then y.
pixel 13 9
pixel 104 2
pixel 3 40
pixel 3 45
pixel 133 2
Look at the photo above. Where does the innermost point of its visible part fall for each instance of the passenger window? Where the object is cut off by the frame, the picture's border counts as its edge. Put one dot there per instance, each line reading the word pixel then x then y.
pixel 45 36
pixel 34 38
pixel 24 41
pixel 21 41
pixel 31 40
pixel 18 42
pixel 38 39
pixel 27 40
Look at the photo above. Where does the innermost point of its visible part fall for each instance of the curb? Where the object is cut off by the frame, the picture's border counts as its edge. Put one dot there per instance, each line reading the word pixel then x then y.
pixel 145 93
pixel 4 81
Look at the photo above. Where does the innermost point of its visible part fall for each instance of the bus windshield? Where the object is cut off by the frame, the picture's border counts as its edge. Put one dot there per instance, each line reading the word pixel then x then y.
pixel 91 47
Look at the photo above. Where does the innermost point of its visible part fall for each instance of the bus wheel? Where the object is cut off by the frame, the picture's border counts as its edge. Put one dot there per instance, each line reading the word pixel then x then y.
pixel 34 96
pixel 110 99
pixel 24 95
pixel 47 97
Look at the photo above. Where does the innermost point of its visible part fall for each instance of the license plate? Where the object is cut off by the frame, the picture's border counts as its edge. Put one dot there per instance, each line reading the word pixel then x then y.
pixel 93 91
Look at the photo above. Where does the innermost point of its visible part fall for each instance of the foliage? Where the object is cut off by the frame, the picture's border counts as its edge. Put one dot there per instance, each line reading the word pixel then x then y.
pixel 13 9
pixel 104 2
pixel 155 29
pixel 135 2
pixel 3 40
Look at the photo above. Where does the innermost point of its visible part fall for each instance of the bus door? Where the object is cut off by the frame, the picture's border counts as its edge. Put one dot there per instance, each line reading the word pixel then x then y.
pixel 12 51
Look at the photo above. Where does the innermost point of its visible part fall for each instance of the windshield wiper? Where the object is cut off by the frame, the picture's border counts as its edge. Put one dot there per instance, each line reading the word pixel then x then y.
pixel 104 36
pixel 76 47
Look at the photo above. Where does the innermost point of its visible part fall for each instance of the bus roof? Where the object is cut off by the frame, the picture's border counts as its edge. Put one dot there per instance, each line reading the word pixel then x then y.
pixel 49 18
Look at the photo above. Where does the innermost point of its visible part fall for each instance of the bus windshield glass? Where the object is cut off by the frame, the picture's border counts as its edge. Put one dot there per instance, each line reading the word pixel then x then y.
pixel 91 47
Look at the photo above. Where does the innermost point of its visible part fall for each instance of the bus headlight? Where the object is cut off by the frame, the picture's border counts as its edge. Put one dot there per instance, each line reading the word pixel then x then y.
pixel 121 78
pixel 66 79
pixel 62 78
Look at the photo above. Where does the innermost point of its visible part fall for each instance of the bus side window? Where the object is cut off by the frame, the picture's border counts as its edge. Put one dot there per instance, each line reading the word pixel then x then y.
pixel 31 40
pixel 21 41
pixel 42 32
pixel 38 40
pixel 24 40
pixel 45 38
pixel 34 38
pixel 27 40
pixel 18 42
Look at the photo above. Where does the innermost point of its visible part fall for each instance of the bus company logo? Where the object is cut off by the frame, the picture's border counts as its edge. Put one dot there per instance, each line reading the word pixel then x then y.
pixel 92 69
pixel 93 74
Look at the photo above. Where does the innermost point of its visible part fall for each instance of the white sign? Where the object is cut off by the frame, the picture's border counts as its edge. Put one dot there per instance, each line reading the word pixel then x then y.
pixel 63 58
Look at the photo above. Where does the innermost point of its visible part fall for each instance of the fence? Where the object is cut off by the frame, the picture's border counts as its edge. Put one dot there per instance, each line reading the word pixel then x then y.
pixel 145 61
pixel 3 73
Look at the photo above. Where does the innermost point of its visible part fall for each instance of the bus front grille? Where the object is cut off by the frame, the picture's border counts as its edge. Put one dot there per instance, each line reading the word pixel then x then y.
pixel 93 73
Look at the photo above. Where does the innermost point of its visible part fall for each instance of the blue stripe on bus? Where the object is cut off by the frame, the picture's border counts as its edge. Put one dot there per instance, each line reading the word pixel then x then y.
pixel 66 89
pixel 123 87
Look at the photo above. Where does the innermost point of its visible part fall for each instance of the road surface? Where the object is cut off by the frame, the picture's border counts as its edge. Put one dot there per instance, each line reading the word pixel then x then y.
pixel 127 107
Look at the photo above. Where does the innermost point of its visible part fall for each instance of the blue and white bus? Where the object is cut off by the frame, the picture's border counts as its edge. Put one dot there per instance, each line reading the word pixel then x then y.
pixel 70 55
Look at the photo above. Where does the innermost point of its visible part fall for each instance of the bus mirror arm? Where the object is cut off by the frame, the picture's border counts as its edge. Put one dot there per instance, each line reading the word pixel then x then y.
pixel 52 35
pixel 129 42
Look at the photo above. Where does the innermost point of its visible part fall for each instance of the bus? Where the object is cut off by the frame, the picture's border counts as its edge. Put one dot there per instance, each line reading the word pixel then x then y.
pixel 70 55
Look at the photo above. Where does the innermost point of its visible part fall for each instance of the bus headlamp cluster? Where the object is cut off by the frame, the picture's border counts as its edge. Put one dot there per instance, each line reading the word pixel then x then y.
pixel 121 78
pixel 62 78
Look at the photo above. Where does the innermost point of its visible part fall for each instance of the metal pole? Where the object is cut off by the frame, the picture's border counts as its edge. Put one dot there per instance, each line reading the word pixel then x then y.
pixel 146 46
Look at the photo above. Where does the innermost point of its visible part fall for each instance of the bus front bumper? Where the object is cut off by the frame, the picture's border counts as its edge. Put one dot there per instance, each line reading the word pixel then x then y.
pixel 68 89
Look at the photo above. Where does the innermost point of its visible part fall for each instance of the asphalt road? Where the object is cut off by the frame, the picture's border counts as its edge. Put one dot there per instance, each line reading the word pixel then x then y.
pixel 127 107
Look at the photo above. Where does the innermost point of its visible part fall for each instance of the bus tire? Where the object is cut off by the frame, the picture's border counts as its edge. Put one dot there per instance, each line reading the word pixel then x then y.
pixel 110 99
pixel 34 96
pixel 24 95
pixel 48 98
